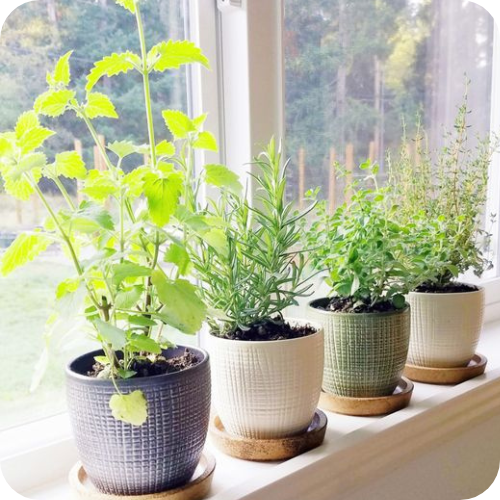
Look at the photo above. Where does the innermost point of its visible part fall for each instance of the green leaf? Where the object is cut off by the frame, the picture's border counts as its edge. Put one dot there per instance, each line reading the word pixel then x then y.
pixel 23 250
pixel 178 123
pixel 99 105
pixel 399 301
pixel 182 308
pixel 28 163
pixel 99 185
pixel 177 254
pixel 27 121
pixel 61 75
pixel 143 343
pixel 206 140
pixel 21 188
pixel 216 238
pixel 165 148
pixel 112 65
pixel 122 148
pixel 141 321
pixel 34 138
pixel 127 298
pixel 135 181
pixel 7 142
pixel 130 408
pixel 111 334
pixel 221 176
pixel 67 286
pixel 128 270
pixel 91 217
pixel 70 164
pixel 125 374
pixel 163 195
pixel 53 102
pixel 172 55
pixel 127 4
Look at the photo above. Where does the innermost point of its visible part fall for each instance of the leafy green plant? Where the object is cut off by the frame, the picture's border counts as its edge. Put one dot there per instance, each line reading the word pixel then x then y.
pixel 361 248
pixel 129 223
pixel 254 268
pixel 443 198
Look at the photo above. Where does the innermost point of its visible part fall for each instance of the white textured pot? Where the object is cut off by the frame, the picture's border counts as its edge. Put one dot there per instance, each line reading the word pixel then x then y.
pixel 445 328
pixel 267 389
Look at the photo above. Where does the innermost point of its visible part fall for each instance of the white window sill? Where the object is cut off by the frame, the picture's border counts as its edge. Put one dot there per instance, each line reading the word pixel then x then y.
pixel 36 458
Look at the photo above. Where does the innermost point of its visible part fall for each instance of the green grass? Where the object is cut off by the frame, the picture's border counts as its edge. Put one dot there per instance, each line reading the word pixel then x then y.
pixel 26 299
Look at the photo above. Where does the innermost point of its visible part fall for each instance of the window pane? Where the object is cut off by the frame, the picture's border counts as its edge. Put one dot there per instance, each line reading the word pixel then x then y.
pixel 33 37
pixel 356 69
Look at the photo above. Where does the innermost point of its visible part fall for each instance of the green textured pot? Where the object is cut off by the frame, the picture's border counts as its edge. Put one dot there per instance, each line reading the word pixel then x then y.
pixel 365 354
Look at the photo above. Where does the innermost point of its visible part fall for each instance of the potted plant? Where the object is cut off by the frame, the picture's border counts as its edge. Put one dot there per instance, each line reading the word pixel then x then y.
pixel 139 407
pixel 267 369
pixel 442 199
pixel 366 318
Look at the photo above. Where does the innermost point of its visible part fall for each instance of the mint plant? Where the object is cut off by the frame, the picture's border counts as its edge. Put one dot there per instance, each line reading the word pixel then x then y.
pixel 130 264
pixel 253 267
pixel 361 247
pixel 443 199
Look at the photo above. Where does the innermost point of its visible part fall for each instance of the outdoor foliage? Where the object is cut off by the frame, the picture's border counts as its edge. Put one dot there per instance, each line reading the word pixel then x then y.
pixel 443 197
pixel 115 240
pixel 253 267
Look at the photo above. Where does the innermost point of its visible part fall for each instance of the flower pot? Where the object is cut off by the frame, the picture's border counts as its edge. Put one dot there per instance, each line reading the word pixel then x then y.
pixel 163 453
pixel 267 389
pixel 365 353
pixel 445 328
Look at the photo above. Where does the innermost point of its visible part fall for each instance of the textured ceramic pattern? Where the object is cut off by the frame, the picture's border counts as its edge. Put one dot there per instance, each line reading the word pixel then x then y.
pixel 445 328
pixel 365 354
pixel 266 389
pixel 161 454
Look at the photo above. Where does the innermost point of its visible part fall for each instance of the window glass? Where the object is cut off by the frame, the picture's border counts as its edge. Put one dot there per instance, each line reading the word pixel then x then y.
pixel 33 38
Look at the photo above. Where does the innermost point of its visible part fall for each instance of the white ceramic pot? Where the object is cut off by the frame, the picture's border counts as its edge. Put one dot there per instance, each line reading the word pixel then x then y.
pixel 267 389
pixel 445 328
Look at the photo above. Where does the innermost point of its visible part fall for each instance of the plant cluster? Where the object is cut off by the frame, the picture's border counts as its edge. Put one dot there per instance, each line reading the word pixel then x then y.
pixel 443 200
pixel 257 269
pixel 362 248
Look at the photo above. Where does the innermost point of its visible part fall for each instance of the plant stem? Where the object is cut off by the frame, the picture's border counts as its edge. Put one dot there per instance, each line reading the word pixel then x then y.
pixel 65 194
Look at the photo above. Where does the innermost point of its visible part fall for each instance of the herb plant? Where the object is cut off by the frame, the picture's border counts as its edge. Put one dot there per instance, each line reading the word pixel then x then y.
pixel 256 269
pixel 361 247
pixel 120 286
pixel 443 198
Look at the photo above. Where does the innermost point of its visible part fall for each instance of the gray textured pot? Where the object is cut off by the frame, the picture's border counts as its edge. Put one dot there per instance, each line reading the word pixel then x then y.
pixel 365 354
pixel 163 453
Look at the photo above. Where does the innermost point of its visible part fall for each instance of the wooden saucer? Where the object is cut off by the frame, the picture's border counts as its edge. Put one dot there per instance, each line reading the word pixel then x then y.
pixel 197 488
pixel 447 376
pixel 369 407
pixel 268 450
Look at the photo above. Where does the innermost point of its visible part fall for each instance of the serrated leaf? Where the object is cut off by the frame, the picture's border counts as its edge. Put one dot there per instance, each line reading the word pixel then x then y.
pixel 163 195
pixel 165 148
pixel 67 286
pixel 91 217
pixel 34 138
pixel 53 102
pixel 135 181
pixel 143 343
pixel 112 65
pixel 99 185
pixel 182 308
pixel 23 250
pixel 27 163
pixel 7 141
pixel 111 334
pixel 122 148
pixel 21 188
pixel 206 140
pixel 217 240
pixel 173 54
pixel 127 298
pixel 99 105
pixel 128 270
pixel 178 123
pixel 221 176
pixel 127 4
pixel 130 408
pixel 70 164
pixel 61 75
pixel 27 121
pixel 177 254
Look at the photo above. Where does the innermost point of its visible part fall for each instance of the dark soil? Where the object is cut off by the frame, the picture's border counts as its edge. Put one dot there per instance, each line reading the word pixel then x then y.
pixel 159 366
pixel 448 288
pixel 347 305
pixel 271 329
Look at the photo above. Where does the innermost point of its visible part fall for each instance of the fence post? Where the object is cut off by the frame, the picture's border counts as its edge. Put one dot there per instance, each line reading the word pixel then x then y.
pixel 331 182
pixel 349 164
pixel 301 177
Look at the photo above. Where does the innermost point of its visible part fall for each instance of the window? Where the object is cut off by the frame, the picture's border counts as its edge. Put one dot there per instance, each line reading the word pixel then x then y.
pixel 356 70
pixel 33 37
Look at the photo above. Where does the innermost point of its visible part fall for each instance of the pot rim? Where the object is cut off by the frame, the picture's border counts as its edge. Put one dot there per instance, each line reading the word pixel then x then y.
pixel 144 381
pixel 357 315
pixel 480 289
pixel 314 324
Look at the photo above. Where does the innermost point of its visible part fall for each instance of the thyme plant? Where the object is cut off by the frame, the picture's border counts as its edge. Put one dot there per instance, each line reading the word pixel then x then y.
pixel 121 286
pixel 255 269
pixel 443 200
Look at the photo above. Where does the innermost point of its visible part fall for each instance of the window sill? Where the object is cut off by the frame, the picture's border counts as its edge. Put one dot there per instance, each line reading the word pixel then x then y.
pixel 357 451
